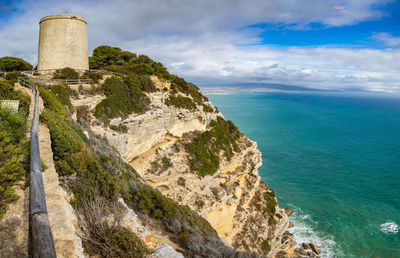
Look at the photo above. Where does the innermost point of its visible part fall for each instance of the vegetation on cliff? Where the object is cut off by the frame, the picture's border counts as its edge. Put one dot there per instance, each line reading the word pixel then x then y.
pixel 97 180
pixel 133 68
pixel 12 144
pixel 207 146
pixel 122 99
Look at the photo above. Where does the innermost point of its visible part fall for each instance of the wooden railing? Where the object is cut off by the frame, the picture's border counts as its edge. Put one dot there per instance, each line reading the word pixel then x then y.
pixel 41 242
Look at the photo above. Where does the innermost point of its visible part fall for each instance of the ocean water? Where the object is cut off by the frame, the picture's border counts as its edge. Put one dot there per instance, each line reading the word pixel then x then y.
pixel 332 158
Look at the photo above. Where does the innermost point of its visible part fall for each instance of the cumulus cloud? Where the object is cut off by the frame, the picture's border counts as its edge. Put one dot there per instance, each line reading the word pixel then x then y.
pixel 213 41
pixel 387 39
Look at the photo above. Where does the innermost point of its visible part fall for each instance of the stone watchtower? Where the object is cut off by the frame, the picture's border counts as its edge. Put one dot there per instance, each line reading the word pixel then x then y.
pixel 63 42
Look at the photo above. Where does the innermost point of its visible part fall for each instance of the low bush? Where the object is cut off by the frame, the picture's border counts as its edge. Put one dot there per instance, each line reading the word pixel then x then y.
pixel 119 128
pixel 207 108
pixel 142 82
pixel 271 203
pixel 180 101
pixel 82 113
pixel 166 162
pixel 12 77
pixel 66 73
pixel 265 247
pixel 12 145
pixel 94 76
pixel 104 239
pixel 62 93
pixel 181 181
pixel 205 149
pixel 7 92
pixel 121 101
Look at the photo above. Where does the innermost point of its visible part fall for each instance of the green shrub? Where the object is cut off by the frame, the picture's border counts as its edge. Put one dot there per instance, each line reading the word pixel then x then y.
pixel 12 134
pixel 66 73
pixel 94 76
pixel 121 101
pixel 51 102
pixel 271 203
pixel 180 85
pixel 142 82
pixel 199 204
pixel 166 163
pixel 181 181
pixel 82 112
pixel 62 93
pixel 205 149
pixel 207 108
pixel 119 128
pixel 12 77
pixel 10 64
pixel 150 200
pixel 180 101
pixel 265 247
pixel 7 92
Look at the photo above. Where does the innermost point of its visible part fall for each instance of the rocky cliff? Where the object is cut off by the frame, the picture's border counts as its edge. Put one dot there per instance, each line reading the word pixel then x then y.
pixel 235 201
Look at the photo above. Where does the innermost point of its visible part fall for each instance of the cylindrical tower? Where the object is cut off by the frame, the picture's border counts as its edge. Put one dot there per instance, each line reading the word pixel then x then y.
pixel 63 42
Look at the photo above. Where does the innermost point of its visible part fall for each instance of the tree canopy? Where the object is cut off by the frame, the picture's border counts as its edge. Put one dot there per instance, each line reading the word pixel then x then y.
pixel 10 64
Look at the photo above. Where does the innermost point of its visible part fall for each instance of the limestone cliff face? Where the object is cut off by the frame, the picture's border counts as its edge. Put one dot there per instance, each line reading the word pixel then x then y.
pixel 234 200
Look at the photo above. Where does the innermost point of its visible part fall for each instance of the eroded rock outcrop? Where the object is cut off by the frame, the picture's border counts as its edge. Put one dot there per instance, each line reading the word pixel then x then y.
pixel 236 202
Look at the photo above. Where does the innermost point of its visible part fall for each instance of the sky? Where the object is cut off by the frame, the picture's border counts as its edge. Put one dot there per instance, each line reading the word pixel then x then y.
pixel 328 44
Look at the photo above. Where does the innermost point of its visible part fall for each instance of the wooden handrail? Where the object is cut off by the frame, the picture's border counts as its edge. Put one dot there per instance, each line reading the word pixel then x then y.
pixel 41 243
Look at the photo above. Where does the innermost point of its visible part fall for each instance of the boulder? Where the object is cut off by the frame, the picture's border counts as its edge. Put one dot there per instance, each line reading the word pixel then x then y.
pixel 288 211
pixel 290 224
pixel 314 248
pixel 165 251
pixel 306 246
pixel 311 254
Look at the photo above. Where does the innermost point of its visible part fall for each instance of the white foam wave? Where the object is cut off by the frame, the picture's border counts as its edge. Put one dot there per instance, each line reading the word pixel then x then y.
pixel 304 233
pixel 390 228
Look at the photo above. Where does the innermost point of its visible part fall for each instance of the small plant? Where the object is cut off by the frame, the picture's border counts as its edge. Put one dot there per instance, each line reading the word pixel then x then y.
pixel 181 181
pixel 83 113
pixel 271 203
pixel 204 150
pixel 66 73
pixel 119 128
pixel 265 247
pixel 166 163
pixel 200 204
pixel 44 165
pixel 94 76
pixel 180 101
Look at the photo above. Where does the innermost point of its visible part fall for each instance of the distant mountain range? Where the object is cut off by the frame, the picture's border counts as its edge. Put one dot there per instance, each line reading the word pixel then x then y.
pixel 258 87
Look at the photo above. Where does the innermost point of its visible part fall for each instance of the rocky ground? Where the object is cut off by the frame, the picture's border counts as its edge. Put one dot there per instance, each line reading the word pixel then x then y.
pixel 233 200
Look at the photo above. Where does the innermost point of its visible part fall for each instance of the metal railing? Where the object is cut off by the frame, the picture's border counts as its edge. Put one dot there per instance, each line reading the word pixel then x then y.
pixel 66 81
pixel 49 71
pixel 41 243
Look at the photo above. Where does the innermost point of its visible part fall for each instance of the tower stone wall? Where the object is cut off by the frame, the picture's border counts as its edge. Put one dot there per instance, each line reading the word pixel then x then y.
pixel 63 42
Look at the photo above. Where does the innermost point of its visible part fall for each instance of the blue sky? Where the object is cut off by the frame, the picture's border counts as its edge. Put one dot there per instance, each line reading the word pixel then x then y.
pixel 332 44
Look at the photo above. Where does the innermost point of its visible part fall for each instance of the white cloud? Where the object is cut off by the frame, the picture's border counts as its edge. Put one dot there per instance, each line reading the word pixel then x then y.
pixel 210 41
pixel 387 39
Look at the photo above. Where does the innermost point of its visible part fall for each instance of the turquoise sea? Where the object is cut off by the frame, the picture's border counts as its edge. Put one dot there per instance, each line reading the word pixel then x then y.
pixel 334 159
